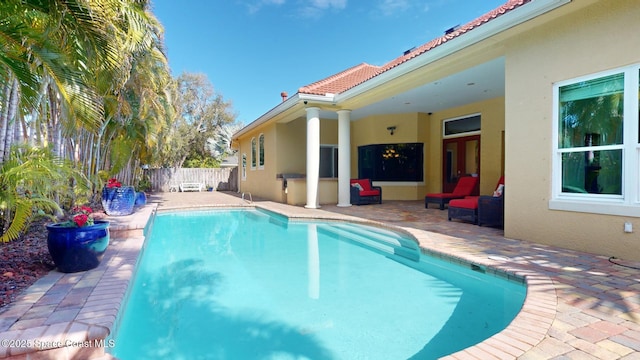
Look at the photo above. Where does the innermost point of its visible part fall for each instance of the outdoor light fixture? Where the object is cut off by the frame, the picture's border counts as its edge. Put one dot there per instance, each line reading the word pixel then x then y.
pixel 391 129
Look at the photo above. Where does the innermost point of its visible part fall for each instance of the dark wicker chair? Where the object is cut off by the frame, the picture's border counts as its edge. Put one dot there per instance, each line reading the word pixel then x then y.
pixel 363 192
pixel 491 211
pixel 464 209
pixel 467 185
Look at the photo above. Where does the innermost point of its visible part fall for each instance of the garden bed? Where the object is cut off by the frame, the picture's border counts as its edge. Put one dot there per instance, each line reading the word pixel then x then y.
pixel 23 262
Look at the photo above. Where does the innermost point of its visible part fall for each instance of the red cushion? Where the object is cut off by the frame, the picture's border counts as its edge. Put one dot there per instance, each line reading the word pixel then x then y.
pixel 465 203
pixel 465 186
pixel 364 183
pixel 369 192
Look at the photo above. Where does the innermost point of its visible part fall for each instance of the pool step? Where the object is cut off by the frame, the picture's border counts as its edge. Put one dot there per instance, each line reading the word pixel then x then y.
pixel 380 234
pixel 274 219
pixel 379 240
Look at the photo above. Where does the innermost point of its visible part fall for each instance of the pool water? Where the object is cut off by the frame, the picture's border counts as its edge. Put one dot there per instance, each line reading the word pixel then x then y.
pixel 247 284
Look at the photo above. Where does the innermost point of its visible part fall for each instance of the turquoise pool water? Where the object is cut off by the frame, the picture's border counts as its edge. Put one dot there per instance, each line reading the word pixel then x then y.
pixel 246 284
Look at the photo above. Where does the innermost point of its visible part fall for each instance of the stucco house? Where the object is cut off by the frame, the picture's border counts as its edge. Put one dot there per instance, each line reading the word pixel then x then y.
pixel 544 92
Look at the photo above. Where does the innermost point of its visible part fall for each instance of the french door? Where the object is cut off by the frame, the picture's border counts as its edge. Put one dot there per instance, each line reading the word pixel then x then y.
pixel 461 157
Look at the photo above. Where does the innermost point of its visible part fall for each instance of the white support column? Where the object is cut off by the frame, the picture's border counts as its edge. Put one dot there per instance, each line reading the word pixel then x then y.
pixel 313 156
pixel 344 158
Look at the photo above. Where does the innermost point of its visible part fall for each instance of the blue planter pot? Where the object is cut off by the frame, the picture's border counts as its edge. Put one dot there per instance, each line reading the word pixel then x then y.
pixel 118 201
pixel 76 249
pixel 141 198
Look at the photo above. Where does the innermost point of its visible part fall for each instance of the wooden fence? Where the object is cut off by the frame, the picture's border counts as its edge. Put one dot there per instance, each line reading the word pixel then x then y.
pixel 225 179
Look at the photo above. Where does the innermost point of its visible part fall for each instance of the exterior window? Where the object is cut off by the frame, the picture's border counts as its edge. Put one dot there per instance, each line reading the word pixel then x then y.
pixel 465 126
pixel 261 150
pixel 254 159
pixel 328 161
pixel 244 166
pixel 391 162
pixel 590 135
pixel 597 145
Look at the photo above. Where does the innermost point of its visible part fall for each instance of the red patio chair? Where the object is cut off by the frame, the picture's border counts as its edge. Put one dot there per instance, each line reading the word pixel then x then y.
pixel 468 208
pixel 467 185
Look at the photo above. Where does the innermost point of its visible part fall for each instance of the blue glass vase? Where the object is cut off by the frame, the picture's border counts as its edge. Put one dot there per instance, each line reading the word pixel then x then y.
pixel 118 201
pixel 141 198
pixel 76 249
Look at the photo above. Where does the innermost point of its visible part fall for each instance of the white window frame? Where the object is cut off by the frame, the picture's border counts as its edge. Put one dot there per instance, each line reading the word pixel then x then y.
pixel 468 133
pixel 628 204
pixel 244 166
pixel 254 152
pixel 261 151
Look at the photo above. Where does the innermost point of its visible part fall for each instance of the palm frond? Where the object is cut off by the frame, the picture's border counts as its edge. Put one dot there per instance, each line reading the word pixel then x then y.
pixel 21 216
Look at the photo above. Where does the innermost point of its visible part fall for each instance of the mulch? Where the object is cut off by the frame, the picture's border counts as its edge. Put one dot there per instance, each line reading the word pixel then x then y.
pixel 23 262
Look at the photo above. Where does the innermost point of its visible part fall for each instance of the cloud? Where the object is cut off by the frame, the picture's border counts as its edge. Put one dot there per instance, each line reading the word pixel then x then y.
pixel 392 7
pixel 256 6
pixel 304 8
pixel 316 8
pixel 327 4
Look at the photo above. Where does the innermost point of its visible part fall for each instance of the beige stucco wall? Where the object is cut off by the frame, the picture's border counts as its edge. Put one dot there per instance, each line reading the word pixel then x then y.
pixel 601 37
pixel 285 153
pixel 291 149
pixel 254 182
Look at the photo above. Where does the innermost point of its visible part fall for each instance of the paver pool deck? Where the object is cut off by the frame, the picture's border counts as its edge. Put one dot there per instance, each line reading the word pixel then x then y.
pixel 578 305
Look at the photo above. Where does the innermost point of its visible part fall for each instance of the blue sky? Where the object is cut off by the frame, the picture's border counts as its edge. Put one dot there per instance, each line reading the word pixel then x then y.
pixel 252 50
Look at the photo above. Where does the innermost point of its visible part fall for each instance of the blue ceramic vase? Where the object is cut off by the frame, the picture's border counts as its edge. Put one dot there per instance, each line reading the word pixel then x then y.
pixel 141 198
pixel 118 201
pixel 76 249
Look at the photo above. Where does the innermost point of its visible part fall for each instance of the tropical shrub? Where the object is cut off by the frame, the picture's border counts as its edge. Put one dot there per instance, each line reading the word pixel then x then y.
pixel 33 181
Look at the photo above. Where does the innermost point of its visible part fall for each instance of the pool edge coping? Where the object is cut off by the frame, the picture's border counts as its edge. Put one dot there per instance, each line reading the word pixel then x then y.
pixel 527 329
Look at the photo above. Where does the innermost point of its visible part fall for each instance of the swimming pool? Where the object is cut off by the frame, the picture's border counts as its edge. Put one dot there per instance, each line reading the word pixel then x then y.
pixel 247 284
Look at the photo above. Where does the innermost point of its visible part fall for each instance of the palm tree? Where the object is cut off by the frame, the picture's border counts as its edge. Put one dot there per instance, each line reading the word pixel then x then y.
pixel 49 42
pixel 140 109
pixel 83 77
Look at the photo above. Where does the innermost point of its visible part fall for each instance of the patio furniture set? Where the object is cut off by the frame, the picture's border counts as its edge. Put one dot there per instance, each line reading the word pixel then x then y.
pixel 463 202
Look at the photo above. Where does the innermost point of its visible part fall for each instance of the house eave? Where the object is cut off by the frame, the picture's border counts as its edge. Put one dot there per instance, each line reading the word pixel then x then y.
pixel 265 118
pixel 297 100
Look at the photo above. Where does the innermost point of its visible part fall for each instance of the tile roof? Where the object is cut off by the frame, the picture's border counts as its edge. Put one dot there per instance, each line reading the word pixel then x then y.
pixel 342 81
pixel 358 74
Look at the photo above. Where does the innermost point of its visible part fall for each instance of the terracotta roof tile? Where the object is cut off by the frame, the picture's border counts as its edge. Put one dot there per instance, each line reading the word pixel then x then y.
pixel 342 81
pixel 356 75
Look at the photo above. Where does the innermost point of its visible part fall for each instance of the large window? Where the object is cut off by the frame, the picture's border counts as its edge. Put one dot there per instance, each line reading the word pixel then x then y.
pixel 328 161
pixel 391 162
pixel 597 141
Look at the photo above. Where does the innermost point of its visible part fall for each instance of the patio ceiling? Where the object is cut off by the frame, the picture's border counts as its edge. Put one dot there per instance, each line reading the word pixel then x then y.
pixel 482 82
